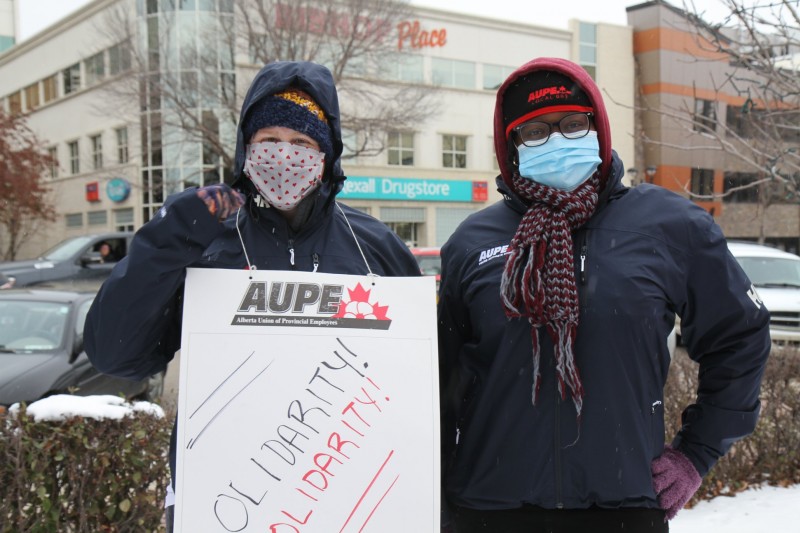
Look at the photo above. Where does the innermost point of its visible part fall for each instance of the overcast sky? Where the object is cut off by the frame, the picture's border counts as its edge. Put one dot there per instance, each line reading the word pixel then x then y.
pixel 35 15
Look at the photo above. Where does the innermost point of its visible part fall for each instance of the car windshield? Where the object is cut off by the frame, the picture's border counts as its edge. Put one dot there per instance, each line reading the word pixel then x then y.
pixel 771 271
pixel 430 265
pixel 66 249
pixel 27 326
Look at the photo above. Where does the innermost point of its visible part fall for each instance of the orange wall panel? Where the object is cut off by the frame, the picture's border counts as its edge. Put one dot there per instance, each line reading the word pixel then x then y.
pixel 677 41
pixel 675 178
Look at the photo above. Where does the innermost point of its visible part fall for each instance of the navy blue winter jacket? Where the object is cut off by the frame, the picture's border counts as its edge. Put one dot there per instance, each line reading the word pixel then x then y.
pixel 644 256
pixel 133 327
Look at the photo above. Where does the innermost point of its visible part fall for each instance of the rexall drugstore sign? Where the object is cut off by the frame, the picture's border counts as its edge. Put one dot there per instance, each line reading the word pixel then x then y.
pixel 375 188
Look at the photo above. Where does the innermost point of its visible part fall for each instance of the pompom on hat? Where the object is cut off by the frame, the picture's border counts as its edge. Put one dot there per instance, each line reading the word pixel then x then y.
pixel 292 109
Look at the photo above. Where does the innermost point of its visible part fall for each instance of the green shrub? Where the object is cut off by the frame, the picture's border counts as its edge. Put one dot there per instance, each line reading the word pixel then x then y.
pixel 771 454
pixel 83 475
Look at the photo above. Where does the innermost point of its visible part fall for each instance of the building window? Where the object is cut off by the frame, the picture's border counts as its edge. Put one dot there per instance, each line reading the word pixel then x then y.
pixel 736 121
pixel 97 218
pixel 705 116
pixel 74 220
pixel 95 68
pixel 401 148
pixel 453 73
pixel 587 47
pixel 122 145
pixel 703 181
pixel 738 188
pixel 406 67
pixel 72 78
pixel 494 76
pixel 454 151
pixel 32 96
pixel 406 222
pixel 52 152
pixel 15 103
pixel 349 144
pixel 119 58
pixel 123 219
pixel 74 158
pixel 97 151
pixel 50 86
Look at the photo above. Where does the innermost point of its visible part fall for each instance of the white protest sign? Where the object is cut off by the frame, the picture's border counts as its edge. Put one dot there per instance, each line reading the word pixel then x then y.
pixel 308 403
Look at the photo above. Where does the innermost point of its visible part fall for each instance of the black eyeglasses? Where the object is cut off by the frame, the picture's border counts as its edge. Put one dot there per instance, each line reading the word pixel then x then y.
pixel 572 126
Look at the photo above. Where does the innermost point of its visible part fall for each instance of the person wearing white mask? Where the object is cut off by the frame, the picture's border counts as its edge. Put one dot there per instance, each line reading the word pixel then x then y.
pixel 554 309
pixel 280 213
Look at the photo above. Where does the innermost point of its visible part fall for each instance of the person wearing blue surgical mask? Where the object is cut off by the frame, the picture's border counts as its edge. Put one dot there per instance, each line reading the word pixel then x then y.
pixel 558 149
pixel 555 305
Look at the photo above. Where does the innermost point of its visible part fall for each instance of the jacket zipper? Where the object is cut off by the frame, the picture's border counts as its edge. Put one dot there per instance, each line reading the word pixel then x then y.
pixel 291 252
pixel 557 439
pixel 583 256
pixel 315 258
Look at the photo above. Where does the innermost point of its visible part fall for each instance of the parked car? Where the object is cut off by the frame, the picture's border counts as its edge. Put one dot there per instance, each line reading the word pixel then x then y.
pixel 430 262
pixel 6 282
pixel 41 349
pixel 77 258
pixel 776 277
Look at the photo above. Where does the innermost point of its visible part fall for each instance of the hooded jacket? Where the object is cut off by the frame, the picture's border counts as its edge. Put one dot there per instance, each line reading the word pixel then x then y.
pixel 133 328
pixel 645 255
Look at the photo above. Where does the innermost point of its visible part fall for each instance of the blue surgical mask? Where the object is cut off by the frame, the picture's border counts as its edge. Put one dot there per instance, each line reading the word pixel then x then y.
pixel 560 163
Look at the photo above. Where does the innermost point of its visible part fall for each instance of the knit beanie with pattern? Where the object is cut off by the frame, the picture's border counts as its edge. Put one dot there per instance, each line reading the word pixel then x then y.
pixel 292 109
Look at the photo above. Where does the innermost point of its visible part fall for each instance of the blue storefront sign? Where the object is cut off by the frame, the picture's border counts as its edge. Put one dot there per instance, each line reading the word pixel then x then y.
pixel 377 188
pixel 118 189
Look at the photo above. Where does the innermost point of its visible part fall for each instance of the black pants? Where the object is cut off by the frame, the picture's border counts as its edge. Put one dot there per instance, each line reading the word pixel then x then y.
pixel 530 519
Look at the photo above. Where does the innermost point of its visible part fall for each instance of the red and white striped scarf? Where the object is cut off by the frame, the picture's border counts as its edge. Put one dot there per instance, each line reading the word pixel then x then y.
pixel 539 277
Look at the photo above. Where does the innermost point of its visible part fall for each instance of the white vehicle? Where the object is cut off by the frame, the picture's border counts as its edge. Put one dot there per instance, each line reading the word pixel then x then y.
pixel 776 277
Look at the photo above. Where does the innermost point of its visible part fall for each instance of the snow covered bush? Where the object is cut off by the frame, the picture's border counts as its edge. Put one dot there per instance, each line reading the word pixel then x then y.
pixel 83 465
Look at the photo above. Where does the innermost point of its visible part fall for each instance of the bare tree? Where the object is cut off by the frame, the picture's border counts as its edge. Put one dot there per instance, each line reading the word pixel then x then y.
pixel 759 45
pixel 358 40
pixel 26 203
pixel 193 89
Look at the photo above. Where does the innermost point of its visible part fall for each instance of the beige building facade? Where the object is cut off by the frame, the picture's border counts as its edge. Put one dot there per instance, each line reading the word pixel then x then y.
pixel 701 94
pixel 118 159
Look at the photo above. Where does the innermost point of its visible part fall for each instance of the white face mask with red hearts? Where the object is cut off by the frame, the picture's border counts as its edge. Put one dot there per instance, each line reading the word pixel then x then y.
pixel 284 173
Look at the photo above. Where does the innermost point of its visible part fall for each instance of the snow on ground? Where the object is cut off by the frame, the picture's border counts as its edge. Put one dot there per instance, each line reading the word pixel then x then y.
pixel 755 510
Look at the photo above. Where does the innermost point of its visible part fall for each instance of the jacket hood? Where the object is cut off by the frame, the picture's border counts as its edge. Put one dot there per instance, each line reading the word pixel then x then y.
pixel 314 79
pixel 582 78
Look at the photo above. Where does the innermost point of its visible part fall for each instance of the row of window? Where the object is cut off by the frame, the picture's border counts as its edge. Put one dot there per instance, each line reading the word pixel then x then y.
pixel 97 154
pixel 109 62
pixel 738 187
pixel 443 72
pixel 154 6
pixel 122 219
pixel 746 121
pixel 400 150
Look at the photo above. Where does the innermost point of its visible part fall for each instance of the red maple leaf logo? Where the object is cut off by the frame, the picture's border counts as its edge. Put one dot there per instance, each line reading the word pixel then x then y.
pixel 360 307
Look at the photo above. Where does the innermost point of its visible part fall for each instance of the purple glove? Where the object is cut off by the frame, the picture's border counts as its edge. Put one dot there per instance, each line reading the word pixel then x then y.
pixel 675 480
pixel 221 200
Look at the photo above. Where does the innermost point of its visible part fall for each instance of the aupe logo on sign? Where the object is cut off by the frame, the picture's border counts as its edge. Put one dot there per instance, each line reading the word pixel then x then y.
pixel 283 303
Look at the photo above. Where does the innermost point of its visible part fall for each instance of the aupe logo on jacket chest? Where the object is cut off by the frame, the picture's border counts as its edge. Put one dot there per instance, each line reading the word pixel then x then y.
pixel 492 253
